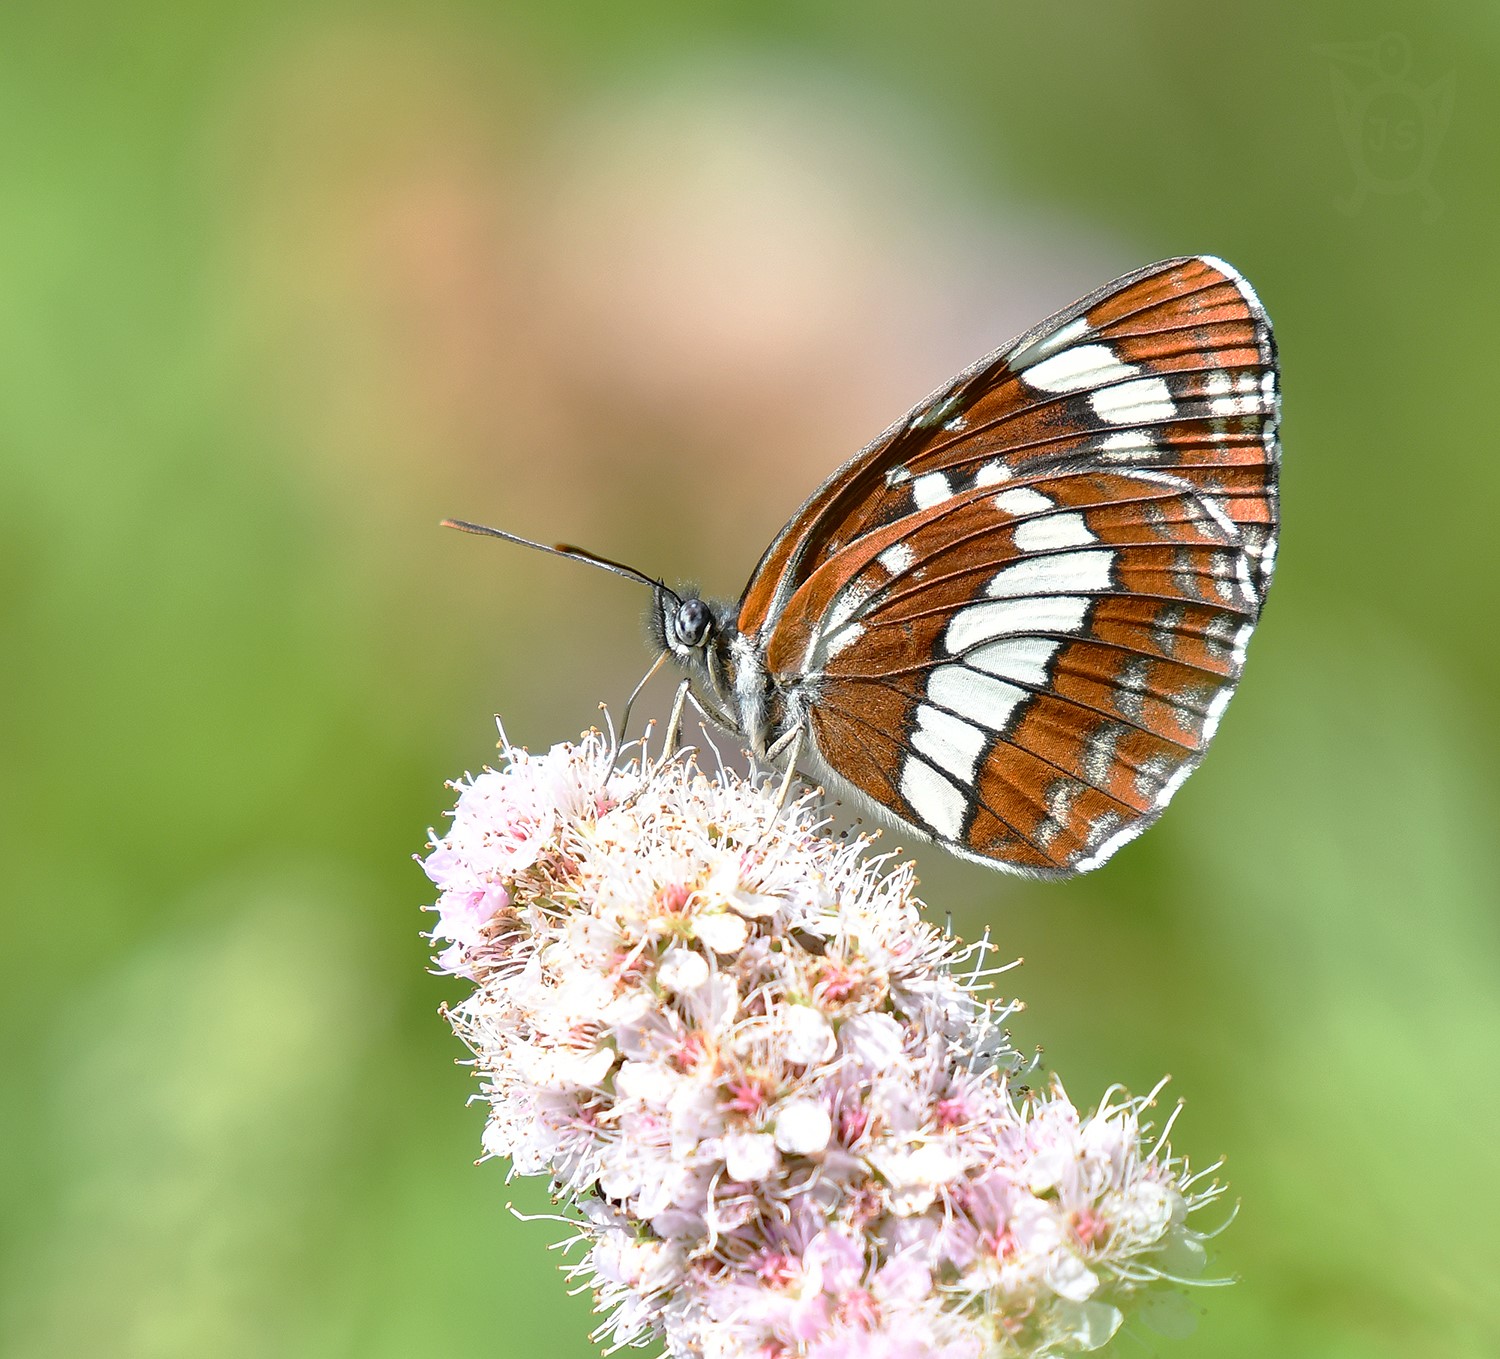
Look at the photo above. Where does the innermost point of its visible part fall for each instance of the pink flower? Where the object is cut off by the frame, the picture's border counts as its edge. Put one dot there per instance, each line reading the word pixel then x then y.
pixel 781 1111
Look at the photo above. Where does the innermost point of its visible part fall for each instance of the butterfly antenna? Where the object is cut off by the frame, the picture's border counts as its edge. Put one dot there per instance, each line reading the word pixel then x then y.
pixel 578 554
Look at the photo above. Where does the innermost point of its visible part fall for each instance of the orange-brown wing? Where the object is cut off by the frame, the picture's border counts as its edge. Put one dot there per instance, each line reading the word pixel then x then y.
pixel 1170 369
pixel 1025 674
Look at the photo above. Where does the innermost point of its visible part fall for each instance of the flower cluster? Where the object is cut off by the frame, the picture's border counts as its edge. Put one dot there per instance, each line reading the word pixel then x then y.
pixel 783 1106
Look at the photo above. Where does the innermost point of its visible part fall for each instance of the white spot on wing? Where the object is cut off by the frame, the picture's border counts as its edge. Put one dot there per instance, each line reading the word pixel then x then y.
pixel 1218 635
pixel 844 607
pixel 949 742
pixel 1178 778
pixel 935 415
pixel 1150 774
pixel 992 473
pixel 1216 707
pixel 1131 687
pixel 1023 500
pixel 1242 574
pixel 933 798
pixel 981 623
pixel 1220 516
pixel 1137 402
pixel 1128 446
pixel 1065 573
pixel 1268 557
pixel 896 558
pixel 1109 846
pixel 1052 531
pixel 1078 369
pixel 1099 753
pixel 930 489
pixel 1233 395
pixel 1241 642
pixel 836 642
pixel 1027 355
pixel 1164 479
pixel 1027 660
pixel 1059 798
pixel 983 699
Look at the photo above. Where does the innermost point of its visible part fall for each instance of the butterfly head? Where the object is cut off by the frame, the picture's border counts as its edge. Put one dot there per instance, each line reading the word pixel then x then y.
pixel 682 624
pixel 699 634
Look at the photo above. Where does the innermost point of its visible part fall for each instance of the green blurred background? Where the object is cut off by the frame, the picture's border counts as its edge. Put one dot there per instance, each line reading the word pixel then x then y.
pixel 281 285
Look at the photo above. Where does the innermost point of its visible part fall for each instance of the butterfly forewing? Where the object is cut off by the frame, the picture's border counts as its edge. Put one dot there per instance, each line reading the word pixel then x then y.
pixel 1171 368
pixel 1014 620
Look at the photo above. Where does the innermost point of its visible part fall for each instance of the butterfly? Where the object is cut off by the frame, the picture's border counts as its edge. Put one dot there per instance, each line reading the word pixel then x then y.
pixel 1012 623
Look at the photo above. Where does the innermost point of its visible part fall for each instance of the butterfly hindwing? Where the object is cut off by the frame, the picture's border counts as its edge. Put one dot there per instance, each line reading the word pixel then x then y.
pixel 1048 663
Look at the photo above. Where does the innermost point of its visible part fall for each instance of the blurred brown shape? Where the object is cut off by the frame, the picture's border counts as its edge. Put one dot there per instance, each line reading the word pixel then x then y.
pixel 699 296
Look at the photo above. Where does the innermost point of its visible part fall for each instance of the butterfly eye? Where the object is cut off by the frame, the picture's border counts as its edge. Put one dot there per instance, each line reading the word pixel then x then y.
pixel 694 622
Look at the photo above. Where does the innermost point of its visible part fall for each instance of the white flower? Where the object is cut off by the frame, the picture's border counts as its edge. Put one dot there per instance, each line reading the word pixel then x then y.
pixel 725 884
pixel 682 970
pixel 916 1174
pixel 803 1127
pixel 647 1082
pixel 1145 1212
pixel 587 1068
pixel 781 1113
pixel 722 931
pixel 749 1156
pixel 1087 1325
pixel 1069 1277
pixel 872 1040
pixel 807 1036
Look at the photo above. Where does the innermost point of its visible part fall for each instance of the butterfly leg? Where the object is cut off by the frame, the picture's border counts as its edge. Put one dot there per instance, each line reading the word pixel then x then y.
pixel 674 722
pixel 792 741
pixel 636 693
